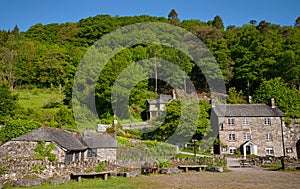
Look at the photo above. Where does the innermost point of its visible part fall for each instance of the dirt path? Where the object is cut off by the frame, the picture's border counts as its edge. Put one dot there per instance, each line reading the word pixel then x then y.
pixel 238 178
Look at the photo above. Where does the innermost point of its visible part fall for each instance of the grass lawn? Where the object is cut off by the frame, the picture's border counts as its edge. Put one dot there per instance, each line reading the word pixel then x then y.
pixel 37 98
pixel 111 183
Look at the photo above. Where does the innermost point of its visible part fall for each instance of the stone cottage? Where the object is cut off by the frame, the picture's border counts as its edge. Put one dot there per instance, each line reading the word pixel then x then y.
pixel 251 128
pixel 69 147
pixel 157 107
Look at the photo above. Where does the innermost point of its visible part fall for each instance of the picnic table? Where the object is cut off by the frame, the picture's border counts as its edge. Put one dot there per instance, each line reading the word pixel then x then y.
pixel 187 167
pixel 78 176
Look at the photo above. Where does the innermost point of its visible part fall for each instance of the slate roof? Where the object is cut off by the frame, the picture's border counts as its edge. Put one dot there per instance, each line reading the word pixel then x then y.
pixel 61 137
pixel 162 99
pixel 100 141
pixel 247 110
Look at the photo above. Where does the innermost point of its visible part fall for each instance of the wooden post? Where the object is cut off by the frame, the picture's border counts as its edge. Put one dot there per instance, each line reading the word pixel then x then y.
pixel 105 176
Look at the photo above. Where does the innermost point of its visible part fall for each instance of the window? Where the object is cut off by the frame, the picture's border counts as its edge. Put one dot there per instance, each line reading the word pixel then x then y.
pixel 231 137
pixel 247 136
pixel 69 157
pixel 82 156
pixel 224 148
pixel 269 137
pixel 289 150
pixel 230 121
pixel 92 152
pixel 76 156
pixel 267 121
pixel 270 151
pixel 232 150
pixel 245 121
pixel 221 127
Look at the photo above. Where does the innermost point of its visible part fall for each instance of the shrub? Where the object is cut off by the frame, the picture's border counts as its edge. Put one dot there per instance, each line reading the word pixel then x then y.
pixel 100 167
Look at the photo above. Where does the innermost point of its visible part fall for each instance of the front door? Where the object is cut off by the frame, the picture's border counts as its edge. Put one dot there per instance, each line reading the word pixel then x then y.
pixel 248 150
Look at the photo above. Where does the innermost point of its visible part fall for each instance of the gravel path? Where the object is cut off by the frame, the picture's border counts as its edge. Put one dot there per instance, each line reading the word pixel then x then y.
pixel 238 178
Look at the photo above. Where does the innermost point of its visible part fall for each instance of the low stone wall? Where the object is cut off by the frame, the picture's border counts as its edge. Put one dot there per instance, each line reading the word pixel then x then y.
pixel 22 169
pixel 290 164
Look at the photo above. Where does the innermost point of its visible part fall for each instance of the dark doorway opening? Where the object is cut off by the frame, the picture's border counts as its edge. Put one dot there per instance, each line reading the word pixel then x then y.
pixel 298 149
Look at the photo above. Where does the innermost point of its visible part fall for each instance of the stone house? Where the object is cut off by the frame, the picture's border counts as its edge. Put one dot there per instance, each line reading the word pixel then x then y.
pixel 251 128
pixel 69 147
pixel 157 107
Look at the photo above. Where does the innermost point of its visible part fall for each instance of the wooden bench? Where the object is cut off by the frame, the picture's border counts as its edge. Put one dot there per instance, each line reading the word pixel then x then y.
pixel 245 163
pixel 187 167
pixel 78 176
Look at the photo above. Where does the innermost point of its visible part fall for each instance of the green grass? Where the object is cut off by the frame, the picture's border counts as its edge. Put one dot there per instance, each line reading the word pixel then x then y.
pixel 274 166
pixel 37 98
pixel 111 183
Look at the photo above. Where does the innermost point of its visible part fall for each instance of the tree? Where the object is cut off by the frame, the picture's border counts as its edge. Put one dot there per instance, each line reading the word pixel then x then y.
pixel 297 22
pixel 173 17
pixel 235 97
pixel 218 22
pixel 253 22
pixel 8 102
pixel 287 99
pixel 15 128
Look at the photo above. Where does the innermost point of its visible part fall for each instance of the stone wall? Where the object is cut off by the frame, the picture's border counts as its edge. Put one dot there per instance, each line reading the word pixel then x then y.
pixel 290 164
pixel 32 169
pixel 292 136
pixel 258 132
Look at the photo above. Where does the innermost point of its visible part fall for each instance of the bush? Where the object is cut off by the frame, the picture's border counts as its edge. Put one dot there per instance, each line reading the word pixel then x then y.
pixel 2 170
pixel 100 167
pixel 165 164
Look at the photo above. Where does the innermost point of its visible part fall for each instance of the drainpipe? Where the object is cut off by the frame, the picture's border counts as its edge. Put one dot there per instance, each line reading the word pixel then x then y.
pixel 282 137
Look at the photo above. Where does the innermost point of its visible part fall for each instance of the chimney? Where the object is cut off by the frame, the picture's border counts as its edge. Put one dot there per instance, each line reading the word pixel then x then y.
pixel 273 103
pixel 249 99
pixel 173 94
pixel 212 102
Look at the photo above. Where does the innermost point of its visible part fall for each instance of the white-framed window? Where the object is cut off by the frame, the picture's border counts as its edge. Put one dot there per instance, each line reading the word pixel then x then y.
pixel 267 121
pixel 230 121
pixel 232 137
pixel 247 136
pixel 232 150
pixel 224 148
pixel 245 121
pixel 269 137
pixel 270 151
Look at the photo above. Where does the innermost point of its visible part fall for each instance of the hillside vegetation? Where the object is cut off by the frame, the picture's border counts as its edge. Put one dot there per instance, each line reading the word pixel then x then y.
pixel 260 59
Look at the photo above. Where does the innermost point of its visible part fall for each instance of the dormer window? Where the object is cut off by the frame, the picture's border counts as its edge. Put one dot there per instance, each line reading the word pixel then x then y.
pixel 230 121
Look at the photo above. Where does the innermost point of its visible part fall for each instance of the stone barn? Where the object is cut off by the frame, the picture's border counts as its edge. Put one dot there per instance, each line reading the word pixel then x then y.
pixel 69 147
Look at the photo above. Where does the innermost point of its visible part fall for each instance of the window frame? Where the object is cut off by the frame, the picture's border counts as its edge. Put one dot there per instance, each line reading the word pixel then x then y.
pixel 289 150
pixel 230 121
pixel 270 151
pixel 232 150
pixel 247 136
pixel 232 137
pixel 245 121
pixel 92 153
pixel 267 121
pixel 269 137
pixel 69 156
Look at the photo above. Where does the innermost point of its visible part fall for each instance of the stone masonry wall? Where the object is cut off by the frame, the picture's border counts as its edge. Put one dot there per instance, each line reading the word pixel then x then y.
pixel 258 132
pixel 32 169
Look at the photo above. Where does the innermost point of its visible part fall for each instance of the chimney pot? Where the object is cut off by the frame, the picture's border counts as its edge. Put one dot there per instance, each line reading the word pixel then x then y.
pixel 273 105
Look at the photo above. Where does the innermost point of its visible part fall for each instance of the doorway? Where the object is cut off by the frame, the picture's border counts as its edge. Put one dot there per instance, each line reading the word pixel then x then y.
pixel 298 149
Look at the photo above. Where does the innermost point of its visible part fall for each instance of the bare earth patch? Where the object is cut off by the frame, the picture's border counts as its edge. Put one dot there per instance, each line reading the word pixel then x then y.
pixel 238 179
